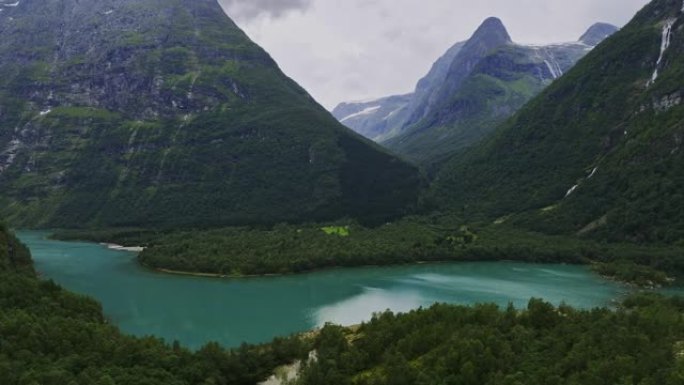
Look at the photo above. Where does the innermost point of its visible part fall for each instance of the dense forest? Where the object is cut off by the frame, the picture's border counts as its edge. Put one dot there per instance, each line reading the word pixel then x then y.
pixel 286 249
pixel 49 336
pixel 641 343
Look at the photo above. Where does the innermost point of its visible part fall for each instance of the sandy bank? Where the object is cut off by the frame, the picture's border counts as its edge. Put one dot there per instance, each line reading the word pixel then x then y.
pixel 133 249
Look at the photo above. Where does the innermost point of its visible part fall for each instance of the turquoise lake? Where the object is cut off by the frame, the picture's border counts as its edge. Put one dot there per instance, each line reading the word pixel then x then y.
pixel 231 311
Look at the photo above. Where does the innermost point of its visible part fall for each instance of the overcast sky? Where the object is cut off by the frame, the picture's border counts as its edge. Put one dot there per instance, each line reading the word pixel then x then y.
pixel 342 50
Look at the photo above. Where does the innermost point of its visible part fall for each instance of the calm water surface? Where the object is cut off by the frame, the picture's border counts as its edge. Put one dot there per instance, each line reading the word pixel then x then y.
pixel 231 311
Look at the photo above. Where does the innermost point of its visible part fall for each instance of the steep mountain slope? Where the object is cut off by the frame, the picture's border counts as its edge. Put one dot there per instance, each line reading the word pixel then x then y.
pixel 385 118
pixel 164 113
pixel 599 152
pixel 489 80
pixel 374 118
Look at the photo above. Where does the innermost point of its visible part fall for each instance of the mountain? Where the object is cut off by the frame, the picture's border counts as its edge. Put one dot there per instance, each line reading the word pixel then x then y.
pixel 164 113
pixel 490 36
pixel 376 123
pixel 597 154
pixel 598 33
pixel 372 118
pixel 486 84
pixel 487 79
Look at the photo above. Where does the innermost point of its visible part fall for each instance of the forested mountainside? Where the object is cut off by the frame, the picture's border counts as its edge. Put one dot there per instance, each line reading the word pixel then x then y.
pixel 164 113
pixel 596 154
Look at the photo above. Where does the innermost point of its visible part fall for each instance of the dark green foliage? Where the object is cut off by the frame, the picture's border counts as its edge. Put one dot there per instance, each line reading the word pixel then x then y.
pixel 49 336
pixel 631 272
pixel 604 116
pixel 119 236
pixel 14 256
pixel 294 249
pixel 485 345
pixel 171 119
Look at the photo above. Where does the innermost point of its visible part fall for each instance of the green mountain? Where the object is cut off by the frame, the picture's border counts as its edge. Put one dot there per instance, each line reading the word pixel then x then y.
pixel 160 113
pixel 598 153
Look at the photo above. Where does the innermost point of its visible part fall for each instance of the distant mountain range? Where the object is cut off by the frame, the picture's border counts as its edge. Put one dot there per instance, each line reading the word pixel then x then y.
pixel 163 113
pixel 471 89
pixel 599 153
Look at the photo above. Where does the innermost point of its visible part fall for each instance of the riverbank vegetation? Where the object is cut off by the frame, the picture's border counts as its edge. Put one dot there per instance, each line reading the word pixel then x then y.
pixel 641 343
pixel 49 336
pixel 119 236
pixel 630 272
pixel 287 249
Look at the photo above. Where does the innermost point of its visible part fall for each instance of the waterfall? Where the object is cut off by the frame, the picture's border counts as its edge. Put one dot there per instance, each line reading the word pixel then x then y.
pixel 664 45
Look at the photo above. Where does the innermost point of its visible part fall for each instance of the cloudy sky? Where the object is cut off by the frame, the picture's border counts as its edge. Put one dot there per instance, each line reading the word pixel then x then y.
pixel 342 50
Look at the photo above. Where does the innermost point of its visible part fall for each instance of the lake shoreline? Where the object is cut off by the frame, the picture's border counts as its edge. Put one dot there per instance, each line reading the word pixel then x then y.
pixel 142 301
pixel 206 275
pixel 671 281
pixel 162 270
pixel 633 282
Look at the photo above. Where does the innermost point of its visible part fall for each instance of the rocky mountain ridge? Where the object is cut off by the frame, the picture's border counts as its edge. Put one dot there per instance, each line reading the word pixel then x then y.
pixel 473 88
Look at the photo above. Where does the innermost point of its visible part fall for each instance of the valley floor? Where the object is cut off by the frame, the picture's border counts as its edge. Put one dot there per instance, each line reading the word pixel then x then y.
pixel 291 249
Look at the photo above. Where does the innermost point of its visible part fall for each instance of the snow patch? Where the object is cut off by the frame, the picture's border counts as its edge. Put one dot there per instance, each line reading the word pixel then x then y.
pixel 554 45
pixel 16 4
pixel 362 101
pixel 45 112
pixel 572 190
pixel 109 12
pixel 391 114
pixel 664 45
pixel 365 112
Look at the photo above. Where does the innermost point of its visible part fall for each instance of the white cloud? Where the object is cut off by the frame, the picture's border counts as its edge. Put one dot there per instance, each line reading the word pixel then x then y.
pixel 356 49
pixel 251 9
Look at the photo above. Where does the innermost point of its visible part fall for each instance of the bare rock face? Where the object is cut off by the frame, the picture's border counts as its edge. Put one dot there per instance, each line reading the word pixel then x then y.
pixel 164 113
pixel 598 33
